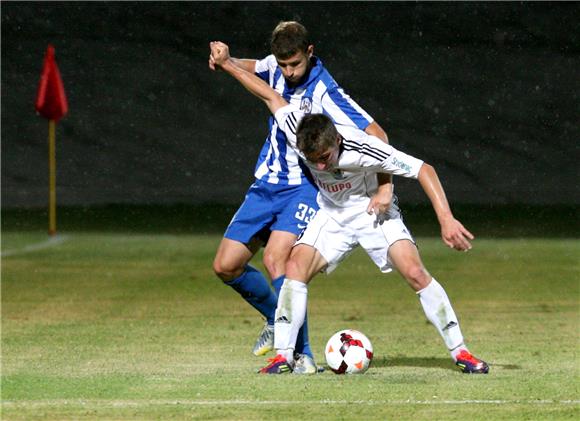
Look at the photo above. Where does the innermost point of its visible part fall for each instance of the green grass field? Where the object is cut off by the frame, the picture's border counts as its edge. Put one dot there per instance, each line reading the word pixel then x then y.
pixel 136 326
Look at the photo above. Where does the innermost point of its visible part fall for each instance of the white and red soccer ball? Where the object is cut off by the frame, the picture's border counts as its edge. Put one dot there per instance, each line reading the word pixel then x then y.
pixel 349 352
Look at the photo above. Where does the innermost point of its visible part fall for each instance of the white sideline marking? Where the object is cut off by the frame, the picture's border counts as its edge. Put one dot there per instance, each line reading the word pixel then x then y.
pixel 51 242
pixel 140 403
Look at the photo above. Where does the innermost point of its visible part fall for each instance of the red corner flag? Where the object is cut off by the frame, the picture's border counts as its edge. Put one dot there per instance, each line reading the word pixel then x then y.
pixel 51 100
pixel 51 104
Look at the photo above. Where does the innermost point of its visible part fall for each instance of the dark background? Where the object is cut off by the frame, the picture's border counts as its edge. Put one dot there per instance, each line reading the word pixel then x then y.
pixel 486 92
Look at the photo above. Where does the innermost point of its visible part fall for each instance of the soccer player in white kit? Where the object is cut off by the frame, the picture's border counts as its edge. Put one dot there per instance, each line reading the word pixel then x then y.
pixel 344 163
pixel 282 199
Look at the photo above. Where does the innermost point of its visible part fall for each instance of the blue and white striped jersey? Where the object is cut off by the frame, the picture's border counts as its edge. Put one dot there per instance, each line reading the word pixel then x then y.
pixel 278 163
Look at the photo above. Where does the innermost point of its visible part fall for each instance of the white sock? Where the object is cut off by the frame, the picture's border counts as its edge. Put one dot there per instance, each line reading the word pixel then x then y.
pixel 290 316
pixel 455 352
pixel 438 310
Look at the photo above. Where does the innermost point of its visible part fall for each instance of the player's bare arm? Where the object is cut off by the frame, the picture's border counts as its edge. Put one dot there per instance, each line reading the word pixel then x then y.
pixel 453 233
pixel 221 57
pixel 381 200
pixel 249 65
pixel 374 129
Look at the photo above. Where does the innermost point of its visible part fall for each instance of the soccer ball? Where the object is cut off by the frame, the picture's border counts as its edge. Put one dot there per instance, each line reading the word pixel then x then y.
pixel 348 351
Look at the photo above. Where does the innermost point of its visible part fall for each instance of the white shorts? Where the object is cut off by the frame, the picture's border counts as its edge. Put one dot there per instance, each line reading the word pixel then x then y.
pixel 335 241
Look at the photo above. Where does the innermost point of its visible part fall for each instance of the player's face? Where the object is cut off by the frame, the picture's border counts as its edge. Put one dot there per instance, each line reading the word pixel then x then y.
pixel 327 159
pixel 294 68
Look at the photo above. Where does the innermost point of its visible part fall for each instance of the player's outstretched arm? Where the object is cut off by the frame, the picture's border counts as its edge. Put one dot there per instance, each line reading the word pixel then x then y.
pixel 220 56
pixel 249 65
pixel 453 233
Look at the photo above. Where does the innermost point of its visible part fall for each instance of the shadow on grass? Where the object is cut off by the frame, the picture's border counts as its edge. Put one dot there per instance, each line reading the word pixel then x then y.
pixel 400 361
pixel 426 362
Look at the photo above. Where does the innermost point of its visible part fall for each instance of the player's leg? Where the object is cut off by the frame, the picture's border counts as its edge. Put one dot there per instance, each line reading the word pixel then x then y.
pixel 405 257
pixel 323 244
pixel 305 261
pixel 232 256
pixel 241 241
pixel 295 207
pixel 435 302
pixel 231 266
pixel 276 254
pixel 391 244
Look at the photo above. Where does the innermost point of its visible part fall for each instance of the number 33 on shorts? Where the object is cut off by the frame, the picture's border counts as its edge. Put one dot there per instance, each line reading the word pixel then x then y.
pixel 304 214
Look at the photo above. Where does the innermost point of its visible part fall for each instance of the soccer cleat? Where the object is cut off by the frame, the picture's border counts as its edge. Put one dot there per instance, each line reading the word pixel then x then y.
pixel 277 365
pixel 469 364
pixel 265 342
pixel 304 364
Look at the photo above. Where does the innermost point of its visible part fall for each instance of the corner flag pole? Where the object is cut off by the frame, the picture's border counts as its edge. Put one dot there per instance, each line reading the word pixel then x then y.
pixel 52 177
pixel 51 104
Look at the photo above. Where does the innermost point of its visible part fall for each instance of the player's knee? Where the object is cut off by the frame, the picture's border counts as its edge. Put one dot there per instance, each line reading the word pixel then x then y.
pixel 226 272
pixel 274 264
pixel 292 268
pixel 417 277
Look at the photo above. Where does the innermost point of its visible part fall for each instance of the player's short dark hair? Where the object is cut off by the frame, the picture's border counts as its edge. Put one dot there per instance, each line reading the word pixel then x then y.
pixel 315 134
pixel 289 38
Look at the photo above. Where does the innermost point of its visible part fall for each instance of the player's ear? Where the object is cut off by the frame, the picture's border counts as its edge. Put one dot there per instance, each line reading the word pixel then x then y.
pixel 310 50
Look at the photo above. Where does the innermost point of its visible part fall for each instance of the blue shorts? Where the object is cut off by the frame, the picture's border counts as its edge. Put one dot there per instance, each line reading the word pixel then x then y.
pixel 273 207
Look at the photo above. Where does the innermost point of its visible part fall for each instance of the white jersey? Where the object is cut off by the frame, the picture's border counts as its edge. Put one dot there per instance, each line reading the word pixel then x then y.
pixel 318 93
pixel 346 192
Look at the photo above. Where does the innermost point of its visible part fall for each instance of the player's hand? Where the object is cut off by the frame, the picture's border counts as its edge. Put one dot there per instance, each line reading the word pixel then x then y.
pixel 455 235
pixel 211 63
pixel 380 203
pixel 220 53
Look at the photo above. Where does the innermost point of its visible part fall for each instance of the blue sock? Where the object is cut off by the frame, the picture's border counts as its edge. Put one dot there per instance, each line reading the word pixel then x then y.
pixel 302 341
pixel 277 284
pixel 254 288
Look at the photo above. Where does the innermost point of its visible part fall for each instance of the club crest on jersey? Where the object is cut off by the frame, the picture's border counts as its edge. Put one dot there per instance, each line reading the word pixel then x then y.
pixel 338 175
pixel 306 105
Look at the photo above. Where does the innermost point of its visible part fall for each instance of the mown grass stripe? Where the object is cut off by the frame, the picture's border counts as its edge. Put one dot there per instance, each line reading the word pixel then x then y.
pixel 139 403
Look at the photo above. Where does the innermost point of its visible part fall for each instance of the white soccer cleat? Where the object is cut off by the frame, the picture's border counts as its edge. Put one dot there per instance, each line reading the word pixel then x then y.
pixel 304 364
pixel 265 342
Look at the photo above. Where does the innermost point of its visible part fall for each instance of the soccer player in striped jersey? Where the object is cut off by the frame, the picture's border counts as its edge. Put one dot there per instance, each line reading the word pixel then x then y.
pixel 282 200
pixel 344 162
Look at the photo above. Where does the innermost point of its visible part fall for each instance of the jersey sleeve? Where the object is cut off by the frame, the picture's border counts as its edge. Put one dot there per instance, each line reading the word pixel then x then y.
pixel 339 106
pixel 375 155
pixel 265 68
pixel 288 118
pixel 400 163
